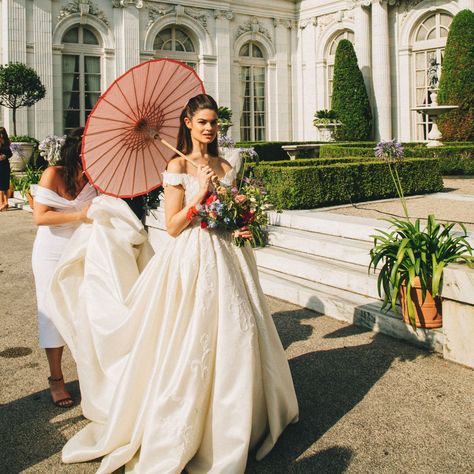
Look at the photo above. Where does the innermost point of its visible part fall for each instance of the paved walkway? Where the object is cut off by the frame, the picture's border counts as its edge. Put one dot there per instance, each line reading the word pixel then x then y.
pixel 368 403
pixel 455 203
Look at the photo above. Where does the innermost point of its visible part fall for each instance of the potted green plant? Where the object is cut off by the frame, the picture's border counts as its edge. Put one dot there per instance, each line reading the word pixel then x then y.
pixel 413 257
pixel 326 122
pixel 224 120
pixel 26 183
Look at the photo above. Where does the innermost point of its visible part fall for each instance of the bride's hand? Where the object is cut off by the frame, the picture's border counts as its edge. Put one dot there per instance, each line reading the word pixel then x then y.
pixel 243 232
pixel 82 215
pixel 205 175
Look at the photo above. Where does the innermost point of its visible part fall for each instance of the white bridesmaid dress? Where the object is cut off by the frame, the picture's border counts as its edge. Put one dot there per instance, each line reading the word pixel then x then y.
pixel 180 365
pixel 48 247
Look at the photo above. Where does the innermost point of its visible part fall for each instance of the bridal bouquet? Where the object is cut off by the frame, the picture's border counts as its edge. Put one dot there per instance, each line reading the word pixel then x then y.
pixel 231 208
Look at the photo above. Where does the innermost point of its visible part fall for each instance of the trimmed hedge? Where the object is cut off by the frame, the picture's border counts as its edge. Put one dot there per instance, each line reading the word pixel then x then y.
pixel 308 187
pixel 273 151
pixel 454 160
pixel 457 79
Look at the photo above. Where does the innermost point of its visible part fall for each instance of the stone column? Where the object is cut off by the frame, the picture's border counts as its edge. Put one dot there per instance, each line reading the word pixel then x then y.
pixel 14 50
pixel 466 4
pixel 224 54
pixel 381 71
pixel 43 64
pixel 362 40
pixel 127 37
pixel 405 115
pixel 282 59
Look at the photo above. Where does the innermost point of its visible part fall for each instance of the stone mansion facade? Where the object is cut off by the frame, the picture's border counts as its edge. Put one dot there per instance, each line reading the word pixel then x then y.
pixel 271 62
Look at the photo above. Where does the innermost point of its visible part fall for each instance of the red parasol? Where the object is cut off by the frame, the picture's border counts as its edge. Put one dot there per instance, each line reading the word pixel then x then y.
pixel 131 133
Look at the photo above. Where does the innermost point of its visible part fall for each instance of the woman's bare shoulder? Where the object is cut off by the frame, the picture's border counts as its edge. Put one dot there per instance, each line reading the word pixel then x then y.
pixel 51 177
pixel 176 165
pixel 224 164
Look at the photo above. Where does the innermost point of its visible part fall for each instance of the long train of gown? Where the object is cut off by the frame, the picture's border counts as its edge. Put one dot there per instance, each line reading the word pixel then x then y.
pixel 180 366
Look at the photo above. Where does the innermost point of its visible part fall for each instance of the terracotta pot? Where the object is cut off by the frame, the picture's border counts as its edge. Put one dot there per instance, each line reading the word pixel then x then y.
pixel 428 314
pixel 10 191
pixel 29 197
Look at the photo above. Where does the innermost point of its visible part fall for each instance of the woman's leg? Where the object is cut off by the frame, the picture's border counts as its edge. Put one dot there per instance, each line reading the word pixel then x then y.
pixel 59 394
pixel 3 200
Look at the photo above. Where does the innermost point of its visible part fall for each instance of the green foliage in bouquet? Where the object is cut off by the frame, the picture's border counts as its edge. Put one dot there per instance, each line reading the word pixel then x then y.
pixel 457 79
pixel 350 100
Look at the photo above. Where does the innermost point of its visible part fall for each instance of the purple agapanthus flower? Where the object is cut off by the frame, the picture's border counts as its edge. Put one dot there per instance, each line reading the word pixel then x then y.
pixel 389 150
pixel 225 141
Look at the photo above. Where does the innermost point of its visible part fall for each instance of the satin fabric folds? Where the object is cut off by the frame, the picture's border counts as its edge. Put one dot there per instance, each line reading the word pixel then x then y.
pixel 180 364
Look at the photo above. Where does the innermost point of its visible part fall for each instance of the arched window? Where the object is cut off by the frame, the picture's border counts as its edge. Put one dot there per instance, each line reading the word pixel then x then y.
pixel 80 75
pixel 429 42
pixel 330 59
pixel 174 43
pixel 252 86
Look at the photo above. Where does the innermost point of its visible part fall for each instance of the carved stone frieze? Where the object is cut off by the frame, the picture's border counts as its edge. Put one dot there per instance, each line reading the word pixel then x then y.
pixel 125 3
pixel 198 14
pixel 227 14
pixel 285 23
pixel 252 25
pixel 83 7
pixel 158 10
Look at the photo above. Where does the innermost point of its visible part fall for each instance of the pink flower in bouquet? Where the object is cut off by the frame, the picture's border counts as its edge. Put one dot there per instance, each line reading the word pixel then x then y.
pixel 240 198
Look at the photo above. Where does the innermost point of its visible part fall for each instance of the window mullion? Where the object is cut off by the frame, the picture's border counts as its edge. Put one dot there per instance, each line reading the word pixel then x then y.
pixel 82 99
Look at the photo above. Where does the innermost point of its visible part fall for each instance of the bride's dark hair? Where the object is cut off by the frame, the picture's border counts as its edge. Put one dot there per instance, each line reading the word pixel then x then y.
pixel 199 102
pixel 70 160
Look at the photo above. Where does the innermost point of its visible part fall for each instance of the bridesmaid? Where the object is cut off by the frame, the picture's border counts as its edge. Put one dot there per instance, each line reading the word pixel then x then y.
pixel 61 203
pixel 5 153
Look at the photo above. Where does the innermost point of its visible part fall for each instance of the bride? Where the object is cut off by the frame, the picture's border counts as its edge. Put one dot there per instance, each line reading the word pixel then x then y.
pixel 180 366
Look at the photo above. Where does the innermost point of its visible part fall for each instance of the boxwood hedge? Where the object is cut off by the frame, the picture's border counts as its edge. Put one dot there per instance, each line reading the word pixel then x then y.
pixel 454 159
pixel 309 186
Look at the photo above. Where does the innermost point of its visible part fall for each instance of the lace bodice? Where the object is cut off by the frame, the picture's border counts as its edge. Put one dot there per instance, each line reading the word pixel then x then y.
pixel 190 183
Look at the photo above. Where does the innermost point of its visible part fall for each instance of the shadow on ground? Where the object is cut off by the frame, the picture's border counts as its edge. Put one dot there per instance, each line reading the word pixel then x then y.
pixel 328 383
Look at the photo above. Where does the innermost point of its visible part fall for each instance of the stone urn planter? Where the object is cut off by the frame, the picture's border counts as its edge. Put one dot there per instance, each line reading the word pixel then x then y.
pixel 326 131
pixel 21 155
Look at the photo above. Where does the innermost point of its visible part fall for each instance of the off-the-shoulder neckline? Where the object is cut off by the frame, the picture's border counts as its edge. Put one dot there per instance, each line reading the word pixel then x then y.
pixel 193 176
pixel 65 199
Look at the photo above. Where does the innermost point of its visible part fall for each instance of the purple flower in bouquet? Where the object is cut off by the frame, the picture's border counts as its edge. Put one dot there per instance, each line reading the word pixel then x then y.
pixel 389 150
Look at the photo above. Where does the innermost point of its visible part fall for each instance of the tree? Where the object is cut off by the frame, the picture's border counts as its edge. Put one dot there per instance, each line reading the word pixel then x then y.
pixel 20 86
pixel 456 86
pixel 349 99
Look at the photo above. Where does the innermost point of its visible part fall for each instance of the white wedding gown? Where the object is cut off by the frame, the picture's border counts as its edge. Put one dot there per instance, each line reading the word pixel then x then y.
pixel 180 365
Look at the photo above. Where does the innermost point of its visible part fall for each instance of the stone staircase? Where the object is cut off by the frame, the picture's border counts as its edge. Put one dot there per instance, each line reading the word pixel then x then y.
pixel 319 260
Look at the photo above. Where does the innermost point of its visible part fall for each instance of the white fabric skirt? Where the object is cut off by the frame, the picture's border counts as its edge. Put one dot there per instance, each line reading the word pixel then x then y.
pixel 48 247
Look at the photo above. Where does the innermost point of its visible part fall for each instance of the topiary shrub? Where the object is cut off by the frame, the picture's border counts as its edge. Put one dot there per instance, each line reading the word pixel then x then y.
pixel 349 99
pixel 20 86
pixel 457 79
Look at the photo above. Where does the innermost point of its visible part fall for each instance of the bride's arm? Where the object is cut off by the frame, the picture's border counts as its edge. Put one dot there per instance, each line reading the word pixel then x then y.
pixel 175 210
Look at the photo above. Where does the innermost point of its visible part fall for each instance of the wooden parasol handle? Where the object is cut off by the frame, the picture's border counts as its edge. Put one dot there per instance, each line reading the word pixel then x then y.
pixel 215 181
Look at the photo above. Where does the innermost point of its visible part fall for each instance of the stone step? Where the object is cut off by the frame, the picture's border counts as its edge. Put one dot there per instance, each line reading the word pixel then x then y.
pixel 323 245
pixel 346 306
pixel 338 274
pixel 338 225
